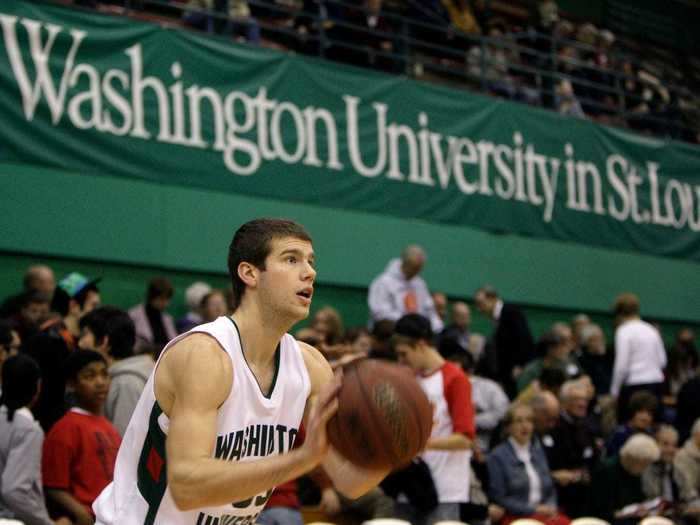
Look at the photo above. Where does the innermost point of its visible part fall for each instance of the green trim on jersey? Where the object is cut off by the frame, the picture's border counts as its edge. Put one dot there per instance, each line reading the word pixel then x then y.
pixel 152 479
pixel 278 352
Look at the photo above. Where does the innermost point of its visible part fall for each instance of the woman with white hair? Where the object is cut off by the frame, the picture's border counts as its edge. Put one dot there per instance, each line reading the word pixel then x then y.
pixel 618 481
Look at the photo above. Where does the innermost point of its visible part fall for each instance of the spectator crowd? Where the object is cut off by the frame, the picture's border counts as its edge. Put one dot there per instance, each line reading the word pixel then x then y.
pixel 553 427
pixel 527 51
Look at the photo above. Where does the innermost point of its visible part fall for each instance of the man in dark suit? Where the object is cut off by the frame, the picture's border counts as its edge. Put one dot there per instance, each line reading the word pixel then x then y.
pixel 510 346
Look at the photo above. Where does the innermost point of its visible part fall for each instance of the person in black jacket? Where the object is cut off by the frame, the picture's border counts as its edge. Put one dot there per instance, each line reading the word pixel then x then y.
pixel 511 344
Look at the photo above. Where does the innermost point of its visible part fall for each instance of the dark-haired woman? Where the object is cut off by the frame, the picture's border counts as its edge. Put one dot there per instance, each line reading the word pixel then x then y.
pixel 21 439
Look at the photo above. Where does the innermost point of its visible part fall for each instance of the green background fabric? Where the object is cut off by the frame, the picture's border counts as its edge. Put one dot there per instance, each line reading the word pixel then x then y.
pixel 489 139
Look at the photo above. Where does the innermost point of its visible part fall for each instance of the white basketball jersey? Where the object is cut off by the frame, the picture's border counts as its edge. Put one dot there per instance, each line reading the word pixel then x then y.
pixel 250 426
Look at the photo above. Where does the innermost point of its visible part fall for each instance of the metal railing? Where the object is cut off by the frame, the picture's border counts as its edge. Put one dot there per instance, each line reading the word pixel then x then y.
pixel 525 66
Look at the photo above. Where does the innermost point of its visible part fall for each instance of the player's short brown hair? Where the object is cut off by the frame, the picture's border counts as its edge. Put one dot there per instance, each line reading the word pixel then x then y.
pixel 252 243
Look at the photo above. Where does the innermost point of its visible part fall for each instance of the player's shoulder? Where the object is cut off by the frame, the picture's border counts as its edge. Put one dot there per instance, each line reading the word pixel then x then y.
pixel 452 372
pixel 196 354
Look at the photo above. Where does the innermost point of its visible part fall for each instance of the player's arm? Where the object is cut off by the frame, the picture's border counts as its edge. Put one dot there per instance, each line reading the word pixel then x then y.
pixel 458 394
pixel 194 379
pixel 349 479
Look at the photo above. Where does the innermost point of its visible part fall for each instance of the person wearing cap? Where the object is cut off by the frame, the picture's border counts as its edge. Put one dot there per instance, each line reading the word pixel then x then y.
pixel 193 298
pixel 448 450
pixel 75 296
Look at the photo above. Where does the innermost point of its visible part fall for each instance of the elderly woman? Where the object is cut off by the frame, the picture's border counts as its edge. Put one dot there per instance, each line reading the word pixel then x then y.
pixel 617 484
pixel 519 478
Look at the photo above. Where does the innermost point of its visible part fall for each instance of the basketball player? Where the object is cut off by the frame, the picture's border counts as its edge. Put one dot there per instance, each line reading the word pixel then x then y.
pixel 213 430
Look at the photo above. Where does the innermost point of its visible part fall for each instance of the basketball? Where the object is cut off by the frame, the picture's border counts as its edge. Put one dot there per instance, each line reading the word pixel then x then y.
pixel 384 419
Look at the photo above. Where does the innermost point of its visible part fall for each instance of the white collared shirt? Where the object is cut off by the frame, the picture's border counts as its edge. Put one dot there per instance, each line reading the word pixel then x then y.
pixel 498 307
pixel 534 481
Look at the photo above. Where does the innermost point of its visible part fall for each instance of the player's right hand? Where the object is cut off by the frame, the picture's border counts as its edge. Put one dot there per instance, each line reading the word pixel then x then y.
pixel 323 408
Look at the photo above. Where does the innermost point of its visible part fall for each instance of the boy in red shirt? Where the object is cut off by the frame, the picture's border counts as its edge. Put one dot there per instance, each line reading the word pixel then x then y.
pixel 81 448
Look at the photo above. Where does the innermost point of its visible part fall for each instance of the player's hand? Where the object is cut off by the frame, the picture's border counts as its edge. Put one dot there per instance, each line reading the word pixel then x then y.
pixel 330 502
pixel 323 407
pixel 546 510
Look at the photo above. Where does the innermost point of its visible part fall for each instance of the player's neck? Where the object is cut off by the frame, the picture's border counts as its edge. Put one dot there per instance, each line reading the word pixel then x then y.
pixel 433 361
pixel 259 335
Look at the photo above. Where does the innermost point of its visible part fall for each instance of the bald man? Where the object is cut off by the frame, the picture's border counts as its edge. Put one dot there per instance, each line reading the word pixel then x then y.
pixel 400 290
pixel 41 278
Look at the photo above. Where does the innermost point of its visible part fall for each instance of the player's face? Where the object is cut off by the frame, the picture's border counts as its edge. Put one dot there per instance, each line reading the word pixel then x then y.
pixel 287 283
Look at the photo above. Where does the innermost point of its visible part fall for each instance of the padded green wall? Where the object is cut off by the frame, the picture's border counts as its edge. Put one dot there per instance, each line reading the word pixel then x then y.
pixel 134 228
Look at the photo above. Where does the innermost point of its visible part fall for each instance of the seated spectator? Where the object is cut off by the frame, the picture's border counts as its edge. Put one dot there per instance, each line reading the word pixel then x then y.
pixel 231 17
pixel 9 344
pixel 462 17
pixel 688 458
pixel 571 450
pixel 489 400
pixel 154 327
pixel 110 331
pixel 642 407
pixel 441 303
pixel 687 408
pixel 663 480
pixel 81 448
pixel 458 329
pixel 594 359
pixel 551 380
pixel 213 306
pixel 566 102
pixel 381 340
pixel 519 478
pixel 617 483
pixel 328 323
pixel 193 298
pixel 21 439
pixel 556 347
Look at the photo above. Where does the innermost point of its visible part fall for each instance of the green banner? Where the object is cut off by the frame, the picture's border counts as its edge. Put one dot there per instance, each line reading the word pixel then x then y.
pixel 111 96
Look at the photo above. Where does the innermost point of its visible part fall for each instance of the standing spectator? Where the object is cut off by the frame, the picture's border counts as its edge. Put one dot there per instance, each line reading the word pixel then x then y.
pixel 447 452
pixel 110 331
pixel 37 277
pixel 213 306
pixel 663 480
pixel 193 298
pixel 572 455
pixel 400 290
pixel 33 307
pixel 688 458
pixel 640 356
pixel 596 362
pixel 519 478
pixel 458 329
pixel 154 327
pixel 21 438
pixel 81 448
pixel 617 483
pixel 682 361
pixel 511 345
pixel 75 296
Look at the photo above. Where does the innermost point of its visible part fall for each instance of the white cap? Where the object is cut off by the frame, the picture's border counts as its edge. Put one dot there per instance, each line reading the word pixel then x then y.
pixel 195 293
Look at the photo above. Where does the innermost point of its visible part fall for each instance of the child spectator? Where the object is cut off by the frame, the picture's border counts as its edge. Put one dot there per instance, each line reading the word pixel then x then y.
pixel 110 331
pixel 21 437
pixel 81 448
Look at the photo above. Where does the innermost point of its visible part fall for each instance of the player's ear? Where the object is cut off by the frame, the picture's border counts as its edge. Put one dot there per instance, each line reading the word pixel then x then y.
pixel 248 273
